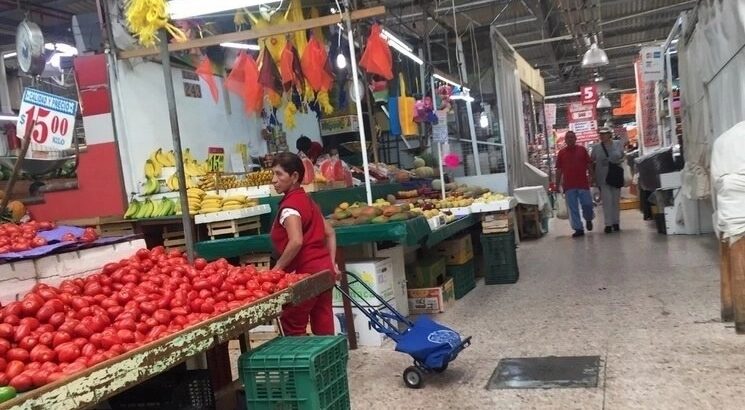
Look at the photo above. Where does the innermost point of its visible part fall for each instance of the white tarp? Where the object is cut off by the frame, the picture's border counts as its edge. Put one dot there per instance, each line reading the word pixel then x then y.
pixel 728 179
pixel 712 58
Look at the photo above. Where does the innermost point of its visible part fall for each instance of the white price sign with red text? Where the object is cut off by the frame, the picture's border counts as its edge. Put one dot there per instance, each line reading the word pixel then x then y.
pixel 48 118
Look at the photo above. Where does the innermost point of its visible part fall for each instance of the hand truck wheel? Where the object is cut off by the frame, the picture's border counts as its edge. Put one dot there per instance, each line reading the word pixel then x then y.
pixel 413 377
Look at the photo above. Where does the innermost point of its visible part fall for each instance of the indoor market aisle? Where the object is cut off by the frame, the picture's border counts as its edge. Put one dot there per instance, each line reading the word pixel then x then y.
pixel 647 304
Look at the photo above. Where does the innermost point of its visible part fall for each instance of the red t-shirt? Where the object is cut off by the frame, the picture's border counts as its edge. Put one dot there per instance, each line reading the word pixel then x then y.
pixel 573 163
pixel 314 256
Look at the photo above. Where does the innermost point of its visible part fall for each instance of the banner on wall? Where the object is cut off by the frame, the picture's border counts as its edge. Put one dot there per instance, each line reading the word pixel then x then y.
pixel 628 105
pixel 582 119
pixel 652 66
pixel 550 112
pixel 647 112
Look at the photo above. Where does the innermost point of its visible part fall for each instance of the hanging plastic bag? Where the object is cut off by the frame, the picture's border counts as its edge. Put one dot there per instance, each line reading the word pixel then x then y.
pixel 236 80
pixel 270 79
pixel 626 174
pixel 253 92
pixel 314 63
pixel 562 211
pixel 290 70
pixel 204 71
pixel 406 111
pixel 377 59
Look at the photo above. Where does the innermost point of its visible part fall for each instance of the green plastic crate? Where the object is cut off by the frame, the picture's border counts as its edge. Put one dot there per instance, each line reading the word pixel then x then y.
pixel 464 278
pixel 297 373
pixel 499 258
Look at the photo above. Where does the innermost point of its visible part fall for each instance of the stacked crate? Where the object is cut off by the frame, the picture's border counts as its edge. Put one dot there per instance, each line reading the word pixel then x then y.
pixel 499 258
pixel 458 254
pixel 496 222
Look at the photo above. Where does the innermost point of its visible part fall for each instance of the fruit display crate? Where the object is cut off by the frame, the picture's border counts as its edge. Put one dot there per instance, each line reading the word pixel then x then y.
pixel 297 373
pixel 173 238
pixel 105 226
pixel 175 389
pixel 464 278
pixel 234 227
pixel 262 261
pixel 494 206
pixel 499 258
pixel 109 378
pixel 234 214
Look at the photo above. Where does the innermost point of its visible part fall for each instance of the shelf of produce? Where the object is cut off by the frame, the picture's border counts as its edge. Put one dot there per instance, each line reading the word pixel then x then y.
pixel 448 230
pixel 118 374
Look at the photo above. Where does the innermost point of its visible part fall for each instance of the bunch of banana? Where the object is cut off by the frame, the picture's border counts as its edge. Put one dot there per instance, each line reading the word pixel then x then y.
pixel 151 186
pixel 133 208
pixel 152 169
pixel 207 183
pixel 172 182
pixel 211 203
pixel 164 207
pixel 234 202
pixel 164 159
pixel 145 210
pixel 194 169
pixel 195 196
pixel 187 157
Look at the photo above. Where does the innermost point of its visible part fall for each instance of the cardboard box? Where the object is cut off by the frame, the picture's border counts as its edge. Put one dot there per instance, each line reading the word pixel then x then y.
pixel 432 300
pixel 427 272
pixel 366 335
pixel 398 261
pixel 376 273
pixel 456 251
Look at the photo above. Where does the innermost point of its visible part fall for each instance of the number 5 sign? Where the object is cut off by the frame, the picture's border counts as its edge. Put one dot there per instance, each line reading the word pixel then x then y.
pixel 49 120
pixel 588 94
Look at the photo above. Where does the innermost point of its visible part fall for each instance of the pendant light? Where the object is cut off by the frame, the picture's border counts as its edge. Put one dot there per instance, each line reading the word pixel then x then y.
pixel 603 102
pixel 594 57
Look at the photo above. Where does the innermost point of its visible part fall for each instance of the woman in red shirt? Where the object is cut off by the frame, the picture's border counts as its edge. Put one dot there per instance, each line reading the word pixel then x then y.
pixel 305 242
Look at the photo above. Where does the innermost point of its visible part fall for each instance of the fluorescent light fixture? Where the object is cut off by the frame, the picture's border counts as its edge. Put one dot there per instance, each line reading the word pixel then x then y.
pixel 182 9
pixel 594 57
pixel 242 46
pixel 400 46
pixel 443 79
pixel 4 117
pixel 10 55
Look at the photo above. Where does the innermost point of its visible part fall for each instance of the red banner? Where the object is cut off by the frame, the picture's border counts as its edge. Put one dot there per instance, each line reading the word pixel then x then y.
pixel 648 107
pixel 588 94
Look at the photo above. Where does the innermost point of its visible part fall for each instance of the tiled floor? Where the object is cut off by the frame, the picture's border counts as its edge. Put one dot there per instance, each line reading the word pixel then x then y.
pixel 648 304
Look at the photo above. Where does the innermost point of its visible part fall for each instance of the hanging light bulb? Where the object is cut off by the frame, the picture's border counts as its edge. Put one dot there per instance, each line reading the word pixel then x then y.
pixel 594 57
pixel 341 61
pixel 484 120
pixel 603 102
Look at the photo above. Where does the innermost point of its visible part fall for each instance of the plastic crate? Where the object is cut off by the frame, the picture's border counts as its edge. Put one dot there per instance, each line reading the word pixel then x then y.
pixel 174 390
pixel 464 278
pixel 499 259
pixel 297 373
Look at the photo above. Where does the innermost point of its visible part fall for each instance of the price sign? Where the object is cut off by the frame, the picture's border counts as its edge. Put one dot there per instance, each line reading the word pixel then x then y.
pixel 588 94
pixel 48 118
pixel 216 159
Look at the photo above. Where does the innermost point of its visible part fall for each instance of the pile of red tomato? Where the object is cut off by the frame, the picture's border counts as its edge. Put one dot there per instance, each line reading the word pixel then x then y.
pixel 54 332
pixel 22 237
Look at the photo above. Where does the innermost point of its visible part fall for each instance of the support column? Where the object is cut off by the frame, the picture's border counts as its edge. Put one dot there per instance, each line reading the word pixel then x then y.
pixel 726 274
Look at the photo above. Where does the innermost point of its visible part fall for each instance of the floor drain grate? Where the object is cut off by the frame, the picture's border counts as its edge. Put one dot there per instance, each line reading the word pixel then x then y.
pixel 549 372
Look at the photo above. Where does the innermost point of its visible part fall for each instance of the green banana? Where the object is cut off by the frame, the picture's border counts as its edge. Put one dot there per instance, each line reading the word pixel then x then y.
pixel 146 211
pixel 151 186
pixel 132 210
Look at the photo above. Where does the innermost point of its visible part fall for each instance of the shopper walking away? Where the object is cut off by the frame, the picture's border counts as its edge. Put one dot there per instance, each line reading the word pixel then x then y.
pixel 573 165
pixel 305 242
pixel 603 154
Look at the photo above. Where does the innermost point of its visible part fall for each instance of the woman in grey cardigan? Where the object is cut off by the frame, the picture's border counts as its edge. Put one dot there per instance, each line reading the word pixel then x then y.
pixel 603 153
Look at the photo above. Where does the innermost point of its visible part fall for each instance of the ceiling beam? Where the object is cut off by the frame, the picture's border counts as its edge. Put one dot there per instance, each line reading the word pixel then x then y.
pixel 689 4
pixel 547 28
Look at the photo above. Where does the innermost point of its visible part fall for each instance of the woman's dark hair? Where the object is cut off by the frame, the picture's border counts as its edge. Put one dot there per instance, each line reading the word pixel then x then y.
pixel 291 163
pixel 303 144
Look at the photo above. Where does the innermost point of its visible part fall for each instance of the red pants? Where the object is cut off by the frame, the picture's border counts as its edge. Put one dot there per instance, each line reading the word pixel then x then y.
pixel 318 309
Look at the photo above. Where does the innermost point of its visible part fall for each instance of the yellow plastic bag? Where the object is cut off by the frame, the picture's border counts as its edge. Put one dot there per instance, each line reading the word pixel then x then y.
pixel 406 111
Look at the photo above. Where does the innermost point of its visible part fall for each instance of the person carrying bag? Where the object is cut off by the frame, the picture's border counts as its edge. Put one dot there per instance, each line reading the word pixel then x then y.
pixel 607 156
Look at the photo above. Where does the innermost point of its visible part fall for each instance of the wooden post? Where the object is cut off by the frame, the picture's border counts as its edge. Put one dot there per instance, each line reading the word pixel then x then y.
pixel 737 269
pixel 726 274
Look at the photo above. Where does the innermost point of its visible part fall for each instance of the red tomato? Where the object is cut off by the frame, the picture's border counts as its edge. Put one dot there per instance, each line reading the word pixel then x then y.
pixel 143 254
pixel 200 263
pixel 83 329
pixel 31 322
pixel 126 323
pixel 67 352
pixel 89 350
pixel 3 363
pixel 4 379
pixel 60 338
pixel 41 353
pixel 17 353
pixel 79 303
pixel 162 316
pixel 69 237
pixel 46 339
pixel 268 287
pixel 11 319
pixel 45 313
pixel 21 383
pixel 38 241
pixel 57 319
pixel 207 307
pixel 74 368
pixel 92 289
pixel 260 294
pixel 4 346
pixel 55 376
pixel 28 343
pixel 14 308
pixel 6 331
pixel 38 377
pixel 47 293
pixel 31 304
pixel 126 336
pixel 282 284
pixel 252 285
pixel 148 307
pixel 14 368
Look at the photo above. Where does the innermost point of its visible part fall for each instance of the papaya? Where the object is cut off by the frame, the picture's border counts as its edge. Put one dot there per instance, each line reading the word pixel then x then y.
pixel 363 220
pixel 356 212
pixel 391 210
pixel 341 215
pixel 371 211
pixel 379 220
pixel 401 216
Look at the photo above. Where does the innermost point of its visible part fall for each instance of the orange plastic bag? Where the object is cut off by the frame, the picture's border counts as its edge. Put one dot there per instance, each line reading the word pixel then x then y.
pixel 314 63
pixel 204 71
pixel 377 59
pixel 236 81
pixel 289 68
pixel 253 92
pixel 406 110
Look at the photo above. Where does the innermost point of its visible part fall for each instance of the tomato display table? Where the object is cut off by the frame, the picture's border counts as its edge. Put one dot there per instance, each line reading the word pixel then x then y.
pixel 108 378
